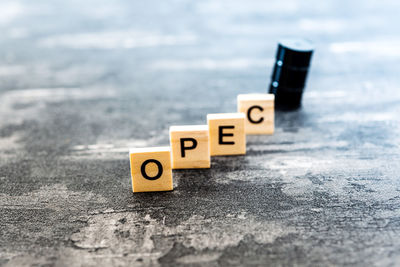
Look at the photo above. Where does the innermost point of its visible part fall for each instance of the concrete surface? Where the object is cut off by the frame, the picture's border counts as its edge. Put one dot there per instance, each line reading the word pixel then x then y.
pixel 82 81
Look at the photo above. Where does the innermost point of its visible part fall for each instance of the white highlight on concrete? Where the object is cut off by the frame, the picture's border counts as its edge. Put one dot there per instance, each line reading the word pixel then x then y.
pixel 115 40
pixel 325 94
pixel 361 117
pixel 388 47
pixel 9 11
pixel 322 25
pixel 211 64
pixel 56 94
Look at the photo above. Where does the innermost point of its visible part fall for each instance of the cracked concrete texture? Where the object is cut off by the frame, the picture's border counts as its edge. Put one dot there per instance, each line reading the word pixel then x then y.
pixel 80 85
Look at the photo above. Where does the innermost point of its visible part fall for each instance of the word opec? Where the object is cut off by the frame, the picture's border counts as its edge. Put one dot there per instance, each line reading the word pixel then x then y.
pixel 191 146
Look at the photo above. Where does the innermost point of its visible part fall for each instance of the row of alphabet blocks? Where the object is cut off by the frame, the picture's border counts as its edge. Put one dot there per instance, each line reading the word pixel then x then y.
pixel 192 146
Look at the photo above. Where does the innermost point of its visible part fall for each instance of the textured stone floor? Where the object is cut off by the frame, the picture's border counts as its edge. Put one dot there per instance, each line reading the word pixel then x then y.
pixel 82 81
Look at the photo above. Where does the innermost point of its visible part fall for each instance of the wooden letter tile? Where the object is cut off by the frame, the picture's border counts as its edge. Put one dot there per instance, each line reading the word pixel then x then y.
pixel 227 134
pixel 151 169
pixel 189 146
pixel 259 111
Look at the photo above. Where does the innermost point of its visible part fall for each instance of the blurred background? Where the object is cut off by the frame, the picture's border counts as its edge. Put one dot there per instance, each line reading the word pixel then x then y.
pixel 82 81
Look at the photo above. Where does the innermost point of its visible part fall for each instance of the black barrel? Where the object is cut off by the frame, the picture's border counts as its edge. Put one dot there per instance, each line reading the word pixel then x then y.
pixel 289 76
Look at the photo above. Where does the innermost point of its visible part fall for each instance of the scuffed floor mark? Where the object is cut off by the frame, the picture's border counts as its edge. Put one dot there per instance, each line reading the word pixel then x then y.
pixel 28 260
pixel 8 147
pixel 53 197
pixel 132 235
pixel 19 106
pixel 200 258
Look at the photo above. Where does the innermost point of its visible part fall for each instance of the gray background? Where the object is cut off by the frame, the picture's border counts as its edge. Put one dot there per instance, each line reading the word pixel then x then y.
pixel 82 81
